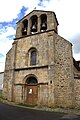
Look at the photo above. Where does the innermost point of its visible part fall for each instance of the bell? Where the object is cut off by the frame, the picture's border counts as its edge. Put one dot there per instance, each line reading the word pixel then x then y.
pixel 33 28
pixel 25 30
pixel 43 27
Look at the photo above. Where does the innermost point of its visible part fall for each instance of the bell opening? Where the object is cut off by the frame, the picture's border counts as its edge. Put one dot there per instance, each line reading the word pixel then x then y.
pixel 43 22
pixel 24 27
pixel 34 21
pixel 43 26
pixel 24 31
pixel 34 28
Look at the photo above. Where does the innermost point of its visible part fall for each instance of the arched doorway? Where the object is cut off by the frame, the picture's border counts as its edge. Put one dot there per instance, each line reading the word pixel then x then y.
pixel 32 91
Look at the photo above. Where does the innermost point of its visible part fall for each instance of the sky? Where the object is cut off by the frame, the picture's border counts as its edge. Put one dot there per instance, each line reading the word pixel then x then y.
pixel 67 12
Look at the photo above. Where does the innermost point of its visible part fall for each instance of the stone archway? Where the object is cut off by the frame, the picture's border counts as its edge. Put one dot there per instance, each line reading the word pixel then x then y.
pixel 31 91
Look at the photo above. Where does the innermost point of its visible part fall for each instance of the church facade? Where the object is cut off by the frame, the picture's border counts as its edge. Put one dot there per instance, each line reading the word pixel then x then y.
pixel 39 68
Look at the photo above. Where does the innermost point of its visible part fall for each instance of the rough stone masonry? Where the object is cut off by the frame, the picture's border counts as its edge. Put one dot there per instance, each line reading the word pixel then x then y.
pixel 40 68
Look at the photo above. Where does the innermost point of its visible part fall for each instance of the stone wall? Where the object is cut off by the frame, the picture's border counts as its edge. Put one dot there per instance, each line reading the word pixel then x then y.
pixel 54 70
pixel 77 87
pixel 45 49
pixel 44 44
pixel 42 77
pixel 55 52
pixel 64 79
pixel 51 22
pixel 9 74
pixel 77 92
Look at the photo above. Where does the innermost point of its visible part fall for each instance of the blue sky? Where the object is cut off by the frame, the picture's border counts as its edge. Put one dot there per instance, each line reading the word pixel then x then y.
pixel 67 12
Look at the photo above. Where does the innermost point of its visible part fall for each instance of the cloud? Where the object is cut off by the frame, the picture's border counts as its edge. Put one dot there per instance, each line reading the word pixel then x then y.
pixel 10 9
pixel 4 48
pixel 5 32
pixel 76 43
pixel 76 46
pixel 22 12
pixel 2 64
pixel 1 55
pixel 77 56
pixel 5 42
pixel 43 3
pixel 67 12
pixel 68 15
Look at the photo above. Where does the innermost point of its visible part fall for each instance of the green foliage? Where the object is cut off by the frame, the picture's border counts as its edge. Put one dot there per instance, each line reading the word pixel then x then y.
pixel 26 105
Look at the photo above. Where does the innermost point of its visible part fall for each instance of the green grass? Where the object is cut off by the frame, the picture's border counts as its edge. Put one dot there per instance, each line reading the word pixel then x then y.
pixel 26 105
pixel 0 93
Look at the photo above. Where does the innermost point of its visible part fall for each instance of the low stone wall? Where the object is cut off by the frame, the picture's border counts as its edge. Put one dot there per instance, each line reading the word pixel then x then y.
pixel 77 92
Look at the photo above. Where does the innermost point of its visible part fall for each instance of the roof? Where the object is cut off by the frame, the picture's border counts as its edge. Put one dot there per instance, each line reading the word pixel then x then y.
pixel 76 64
pixel 39 11
pixel 1 72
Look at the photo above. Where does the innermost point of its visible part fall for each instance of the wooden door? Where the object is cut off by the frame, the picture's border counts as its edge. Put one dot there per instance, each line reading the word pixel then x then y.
pixel 32 94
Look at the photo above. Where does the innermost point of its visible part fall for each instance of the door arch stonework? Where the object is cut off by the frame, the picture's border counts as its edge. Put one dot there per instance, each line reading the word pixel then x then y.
pixel 31 90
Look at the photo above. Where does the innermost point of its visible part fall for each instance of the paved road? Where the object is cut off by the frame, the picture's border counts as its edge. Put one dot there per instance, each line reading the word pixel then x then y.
pixel 8 112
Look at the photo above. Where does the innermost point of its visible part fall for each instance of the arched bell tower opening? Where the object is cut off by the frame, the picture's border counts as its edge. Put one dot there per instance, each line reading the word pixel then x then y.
pixel 34 21
pixel 31 90
pixel 43 22
pixel 24 27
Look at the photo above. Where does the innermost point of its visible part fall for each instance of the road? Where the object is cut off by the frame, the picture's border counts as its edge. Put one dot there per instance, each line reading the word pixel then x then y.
pixel 9 112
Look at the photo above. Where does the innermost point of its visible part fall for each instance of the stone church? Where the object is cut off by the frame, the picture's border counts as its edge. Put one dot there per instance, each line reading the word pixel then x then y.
pixel 40 68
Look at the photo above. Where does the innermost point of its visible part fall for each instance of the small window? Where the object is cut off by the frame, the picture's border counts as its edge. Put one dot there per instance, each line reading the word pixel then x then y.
pixel 33 57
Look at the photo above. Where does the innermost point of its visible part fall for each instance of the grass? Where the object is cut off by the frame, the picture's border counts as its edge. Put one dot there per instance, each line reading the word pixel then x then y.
pixel 0 93
pixel 26 105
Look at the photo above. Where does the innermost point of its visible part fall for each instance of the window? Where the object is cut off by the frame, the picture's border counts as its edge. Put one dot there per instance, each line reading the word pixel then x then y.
pixel 33 57
pixel 31 80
